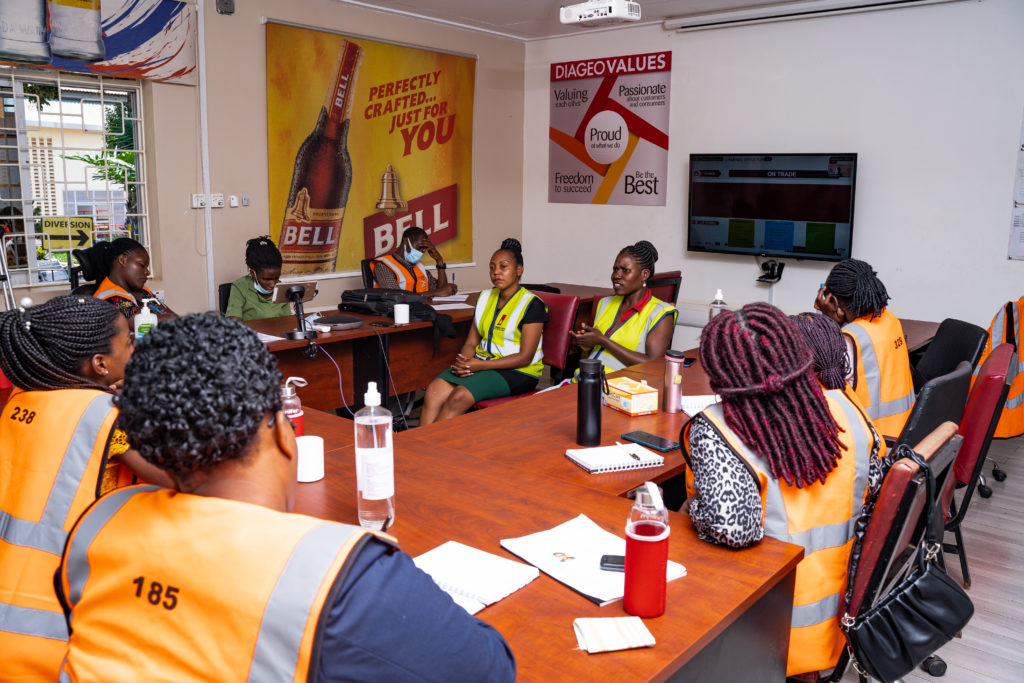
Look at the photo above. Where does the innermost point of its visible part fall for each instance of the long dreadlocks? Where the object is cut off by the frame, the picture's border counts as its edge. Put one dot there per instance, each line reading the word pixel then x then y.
pixel 758 362
pixel 828 347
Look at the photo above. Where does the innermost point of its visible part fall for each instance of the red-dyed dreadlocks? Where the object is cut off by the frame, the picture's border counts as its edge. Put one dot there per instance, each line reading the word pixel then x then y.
pixel 759 363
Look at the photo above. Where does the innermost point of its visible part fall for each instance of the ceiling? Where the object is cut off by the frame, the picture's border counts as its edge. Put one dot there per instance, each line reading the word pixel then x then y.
pixel 535 19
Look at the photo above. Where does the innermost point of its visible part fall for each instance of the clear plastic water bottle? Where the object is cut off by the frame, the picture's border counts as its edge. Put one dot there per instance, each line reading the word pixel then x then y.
pixel 716 306
pixel 291 405
pixel 375 463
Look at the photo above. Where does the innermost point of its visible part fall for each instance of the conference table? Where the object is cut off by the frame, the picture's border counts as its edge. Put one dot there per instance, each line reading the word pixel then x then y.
pixel 477 481
pixel 401 359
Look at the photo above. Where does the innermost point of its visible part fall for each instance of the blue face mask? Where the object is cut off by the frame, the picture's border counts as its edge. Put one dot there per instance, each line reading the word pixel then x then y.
pixel 412 256
pixel 257 286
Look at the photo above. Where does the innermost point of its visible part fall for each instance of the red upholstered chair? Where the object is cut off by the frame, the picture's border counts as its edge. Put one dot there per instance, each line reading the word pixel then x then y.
pixel 5 389
pixel 665 286
pixel 984 406
pixel 895 525
pixel 561 316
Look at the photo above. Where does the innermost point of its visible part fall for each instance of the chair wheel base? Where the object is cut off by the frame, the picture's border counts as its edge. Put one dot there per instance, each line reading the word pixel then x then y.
pixel 934 666
pixel 984 491
pixel 998 475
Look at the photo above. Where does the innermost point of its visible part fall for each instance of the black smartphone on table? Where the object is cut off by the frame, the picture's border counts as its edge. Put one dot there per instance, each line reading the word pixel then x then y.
pixel 613 563
pixel 658 443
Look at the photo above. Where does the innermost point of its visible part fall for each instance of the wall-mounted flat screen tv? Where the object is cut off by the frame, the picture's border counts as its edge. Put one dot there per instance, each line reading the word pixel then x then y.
pixel 777 205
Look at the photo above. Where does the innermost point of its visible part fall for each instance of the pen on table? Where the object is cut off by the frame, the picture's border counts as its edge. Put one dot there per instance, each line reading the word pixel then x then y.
pixel 626 448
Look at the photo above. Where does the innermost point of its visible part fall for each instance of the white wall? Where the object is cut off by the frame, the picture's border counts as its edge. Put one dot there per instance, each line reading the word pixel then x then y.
pixel 930 98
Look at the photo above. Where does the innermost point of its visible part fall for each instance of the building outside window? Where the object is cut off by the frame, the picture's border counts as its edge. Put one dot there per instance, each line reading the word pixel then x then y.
pixel 71 169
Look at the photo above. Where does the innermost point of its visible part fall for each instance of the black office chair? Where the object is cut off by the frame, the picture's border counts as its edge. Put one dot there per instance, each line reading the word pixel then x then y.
pixel 89 268
pixel 955 341
pixel 364 267
pixel 223 295
pixel 940 400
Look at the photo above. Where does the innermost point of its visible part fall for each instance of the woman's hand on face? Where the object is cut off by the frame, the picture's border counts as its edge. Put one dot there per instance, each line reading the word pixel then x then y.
pixel 587 336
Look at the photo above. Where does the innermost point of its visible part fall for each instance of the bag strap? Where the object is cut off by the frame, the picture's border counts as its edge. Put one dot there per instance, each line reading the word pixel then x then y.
pixel 931 545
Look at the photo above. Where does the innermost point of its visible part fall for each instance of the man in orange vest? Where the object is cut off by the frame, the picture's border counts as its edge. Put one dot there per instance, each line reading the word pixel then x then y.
pixel 855 298
pixel 402 268
pixel 214 580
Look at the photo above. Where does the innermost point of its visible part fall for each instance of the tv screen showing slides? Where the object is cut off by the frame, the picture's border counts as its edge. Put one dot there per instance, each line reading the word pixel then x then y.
pixel 782 205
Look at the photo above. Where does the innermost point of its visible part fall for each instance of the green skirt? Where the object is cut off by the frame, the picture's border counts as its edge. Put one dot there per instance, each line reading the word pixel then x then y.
pixel 483 385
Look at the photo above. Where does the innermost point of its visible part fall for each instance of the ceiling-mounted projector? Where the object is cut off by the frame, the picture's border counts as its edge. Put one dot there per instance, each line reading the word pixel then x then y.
pixel 600 12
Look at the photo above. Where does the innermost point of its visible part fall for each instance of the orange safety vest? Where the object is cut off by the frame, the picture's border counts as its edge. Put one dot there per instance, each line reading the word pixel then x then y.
pixel 53 448
pixel 821 518
pixel 881 377
pixel 169 586
pixel 411 281
pixel 1008 327
pixel 108 290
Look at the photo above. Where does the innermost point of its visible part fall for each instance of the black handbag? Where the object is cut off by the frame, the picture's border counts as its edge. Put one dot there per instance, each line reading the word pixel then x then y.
pixel 917 617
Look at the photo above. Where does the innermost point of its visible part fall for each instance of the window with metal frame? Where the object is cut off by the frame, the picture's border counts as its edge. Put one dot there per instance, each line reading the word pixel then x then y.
pixel 72 169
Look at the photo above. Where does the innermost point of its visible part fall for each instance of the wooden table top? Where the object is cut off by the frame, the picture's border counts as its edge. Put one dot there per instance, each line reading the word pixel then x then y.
pixel 444 494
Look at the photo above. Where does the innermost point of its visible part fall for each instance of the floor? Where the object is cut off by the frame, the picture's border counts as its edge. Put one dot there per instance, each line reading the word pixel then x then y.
pixel 992 646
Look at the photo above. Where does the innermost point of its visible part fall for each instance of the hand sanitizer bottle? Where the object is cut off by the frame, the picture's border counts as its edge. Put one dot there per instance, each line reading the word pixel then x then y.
pixel 716 306
pixel 145 319
pixel 375 463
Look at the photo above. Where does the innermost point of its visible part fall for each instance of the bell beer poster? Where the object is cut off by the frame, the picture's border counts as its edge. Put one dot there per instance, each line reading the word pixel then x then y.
pixel 365 139
pixel 609 130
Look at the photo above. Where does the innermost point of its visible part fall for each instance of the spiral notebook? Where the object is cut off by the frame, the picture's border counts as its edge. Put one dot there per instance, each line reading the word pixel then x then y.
pixel 627 456
pixel 474 578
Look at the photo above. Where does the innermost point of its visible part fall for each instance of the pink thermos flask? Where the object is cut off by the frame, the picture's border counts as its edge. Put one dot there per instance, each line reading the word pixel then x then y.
pixel 672 393
pixel 646 554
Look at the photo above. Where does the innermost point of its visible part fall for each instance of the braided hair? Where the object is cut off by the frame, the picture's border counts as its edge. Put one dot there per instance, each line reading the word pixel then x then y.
pixel 260 253
pixel 758 362
pixel 43 348
pixel 828 347
pixel 511 245
pixel 857 287
pixel 644 253
pixel 111 250
pixel 195 392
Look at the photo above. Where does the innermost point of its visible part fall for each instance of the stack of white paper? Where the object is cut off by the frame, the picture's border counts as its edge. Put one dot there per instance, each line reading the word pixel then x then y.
pixel 472 577
pixel 571 553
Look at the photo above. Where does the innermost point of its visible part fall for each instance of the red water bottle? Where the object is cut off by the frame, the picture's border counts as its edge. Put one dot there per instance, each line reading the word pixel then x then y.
pixel 647 534
pixel 290 403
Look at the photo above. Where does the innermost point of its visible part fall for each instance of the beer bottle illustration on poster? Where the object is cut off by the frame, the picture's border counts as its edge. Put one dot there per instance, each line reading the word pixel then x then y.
pixel 322 178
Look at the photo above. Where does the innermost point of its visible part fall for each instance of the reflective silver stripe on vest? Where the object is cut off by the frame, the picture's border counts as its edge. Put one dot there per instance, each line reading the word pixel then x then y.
pixel 821 537
pixel 115 292
pixel 873 377
pixel 33 622
pixel 48 533
pixel 284 619
pixel 76 560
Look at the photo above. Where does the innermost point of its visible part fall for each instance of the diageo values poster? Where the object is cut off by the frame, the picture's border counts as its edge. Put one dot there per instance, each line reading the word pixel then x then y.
pixel 365 139
pixel 609 130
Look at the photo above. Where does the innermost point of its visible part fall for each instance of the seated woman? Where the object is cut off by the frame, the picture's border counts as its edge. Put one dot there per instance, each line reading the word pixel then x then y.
pixel 251 293
pixel 126 264
pixel 780 457
pixel 62 356
pixel 502 354
pixel 856 299
pixel 632 326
